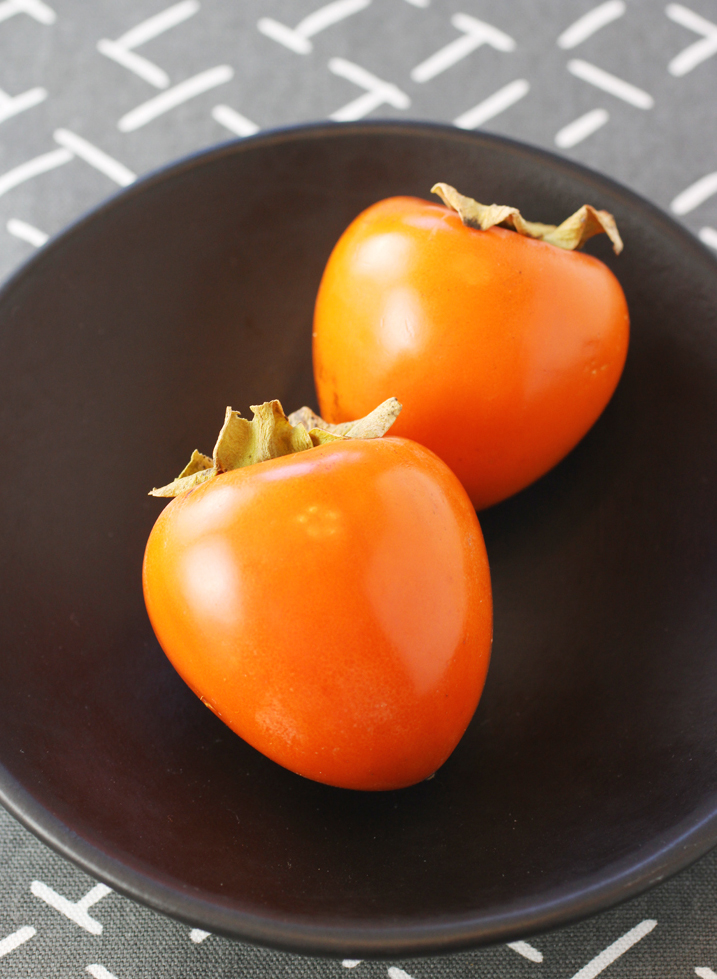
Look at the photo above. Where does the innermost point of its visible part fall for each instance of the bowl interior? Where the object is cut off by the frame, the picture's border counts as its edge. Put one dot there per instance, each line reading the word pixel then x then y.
pixel 592 753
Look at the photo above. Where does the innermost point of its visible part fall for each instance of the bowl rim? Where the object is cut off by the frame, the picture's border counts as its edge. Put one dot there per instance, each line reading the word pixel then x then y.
pixel 561 906
pixel 687 842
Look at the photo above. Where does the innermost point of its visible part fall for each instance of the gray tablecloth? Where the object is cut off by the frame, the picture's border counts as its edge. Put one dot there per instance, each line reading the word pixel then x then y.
pixel 96 92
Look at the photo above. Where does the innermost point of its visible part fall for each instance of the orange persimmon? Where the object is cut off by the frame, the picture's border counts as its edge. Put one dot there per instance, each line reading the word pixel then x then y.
pixel 503 347
pixel 332 605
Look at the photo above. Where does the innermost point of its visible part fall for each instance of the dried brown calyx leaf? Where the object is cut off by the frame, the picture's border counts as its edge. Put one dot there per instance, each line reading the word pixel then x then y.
pixel 271 434
pixel 372 426
pixel 571 234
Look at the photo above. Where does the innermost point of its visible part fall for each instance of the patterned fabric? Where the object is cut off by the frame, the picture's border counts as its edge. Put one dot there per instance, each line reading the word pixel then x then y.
pixel 93 94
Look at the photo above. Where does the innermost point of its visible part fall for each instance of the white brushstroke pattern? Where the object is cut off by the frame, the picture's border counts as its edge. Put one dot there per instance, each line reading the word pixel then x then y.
pixel 99 972
pixel 692 56
pixel 495 104
pixel 161 22
pixel 76 911
pixel 174 97
pixel 613 952
pixel 11 105
pixel 689 19
pixel 297 38
pixel 122 50
pixel 26 232
pixel 476 33
pixel 36 9
pixel 351 963
pixel 95 157
pixel 582 127
pixel 331 14
pixel 378 92
pixel 527 951
pixel 610 83
pixel 591 22
pixel 234 121
pixel 198 936
pixel 705 973
pixel 698 52
pixel 134 62
pixel 694 195
pixel 17 938
pixel 33 168
pixel 284 35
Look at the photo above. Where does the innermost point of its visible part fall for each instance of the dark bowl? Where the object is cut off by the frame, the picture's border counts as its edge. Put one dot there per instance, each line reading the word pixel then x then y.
pixel 590 769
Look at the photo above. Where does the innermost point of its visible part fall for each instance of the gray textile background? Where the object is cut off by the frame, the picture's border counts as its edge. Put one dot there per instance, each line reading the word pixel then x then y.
pixel 69 138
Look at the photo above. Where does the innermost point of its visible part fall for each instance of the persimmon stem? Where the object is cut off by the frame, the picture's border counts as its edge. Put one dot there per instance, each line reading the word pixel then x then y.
pixel 271 434
pixel 571 234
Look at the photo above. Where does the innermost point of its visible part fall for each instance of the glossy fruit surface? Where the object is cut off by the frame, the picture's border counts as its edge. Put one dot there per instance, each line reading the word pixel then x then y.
pixel 503 350
pixel 333 607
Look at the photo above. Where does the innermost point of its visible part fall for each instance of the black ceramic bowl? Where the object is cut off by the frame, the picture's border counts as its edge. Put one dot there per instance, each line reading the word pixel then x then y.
pixel 590 769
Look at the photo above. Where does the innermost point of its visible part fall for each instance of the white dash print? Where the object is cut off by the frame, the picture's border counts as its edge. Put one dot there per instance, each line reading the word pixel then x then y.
pixel 77 911
pixel 36 9
pixel 613 952
pixel 99 972
pixel 134 62
pixel 161 22
pixel 198 936
pixel 173 97
pixel 414 3
pixel 396 973
pixel 476 33
pixel 582 127
pixel 695 194
pixel 297 38
pixel 377 93
pixel 15 940
pixel 351 963
pixel 527 951
pixel 95 157
pixel 610 83
pixel 705 973
pixel 33 168
pixel 698 52
pixel 26 232
pixel 234 121
pixel 590 23
pixel 12 105
pixel 708 236
pixel 495 104
pixel 122 50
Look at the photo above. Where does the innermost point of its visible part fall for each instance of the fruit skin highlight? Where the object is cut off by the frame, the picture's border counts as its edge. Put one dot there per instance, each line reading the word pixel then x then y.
pixel 503 349
pixel 332 606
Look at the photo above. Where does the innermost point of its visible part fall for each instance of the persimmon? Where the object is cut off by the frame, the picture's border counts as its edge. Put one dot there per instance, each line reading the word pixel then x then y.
pixel 504 344
pixel 327 595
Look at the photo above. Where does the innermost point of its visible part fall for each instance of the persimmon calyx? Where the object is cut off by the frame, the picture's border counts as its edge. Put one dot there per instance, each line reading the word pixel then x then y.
pixel 271 434
pixel 571 234
pixel 371 426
